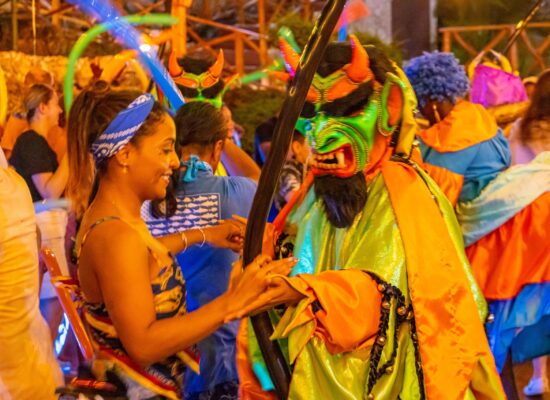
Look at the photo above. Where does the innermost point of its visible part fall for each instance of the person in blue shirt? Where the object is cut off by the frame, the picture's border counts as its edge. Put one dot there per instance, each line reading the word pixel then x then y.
pixel 201 199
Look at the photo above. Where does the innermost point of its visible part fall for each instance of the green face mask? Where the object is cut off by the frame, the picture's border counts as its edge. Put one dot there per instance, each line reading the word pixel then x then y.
pixel 342 144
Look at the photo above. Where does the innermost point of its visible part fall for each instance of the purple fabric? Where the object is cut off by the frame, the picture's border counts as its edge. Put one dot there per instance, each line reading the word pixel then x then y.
pixel 493 87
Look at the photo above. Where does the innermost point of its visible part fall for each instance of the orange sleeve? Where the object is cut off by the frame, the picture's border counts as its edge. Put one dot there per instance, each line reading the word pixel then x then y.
pixel 449 182
pixel 346 310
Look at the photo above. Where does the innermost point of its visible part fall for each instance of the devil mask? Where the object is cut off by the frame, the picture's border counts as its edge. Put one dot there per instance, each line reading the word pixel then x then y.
pixel 355 96
pixel 201 82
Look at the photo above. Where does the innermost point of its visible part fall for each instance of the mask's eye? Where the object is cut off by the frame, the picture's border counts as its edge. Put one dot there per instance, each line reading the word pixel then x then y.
pixel 348 105
pixel 308 111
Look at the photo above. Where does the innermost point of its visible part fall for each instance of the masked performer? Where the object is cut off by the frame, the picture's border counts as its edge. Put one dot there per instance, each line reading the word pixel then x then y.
pixel 503 212
pixel 388 306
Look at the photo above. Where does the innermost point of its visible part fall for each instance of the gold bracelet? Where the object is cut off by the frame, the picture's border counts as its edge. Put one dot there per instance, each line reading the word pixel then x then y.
pixel 184 240
pixel 203 236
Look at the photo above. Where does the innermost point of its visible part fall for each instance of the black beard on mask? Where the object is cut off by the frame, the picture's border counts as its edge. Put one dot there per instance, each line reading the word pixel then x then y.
pixel 343 198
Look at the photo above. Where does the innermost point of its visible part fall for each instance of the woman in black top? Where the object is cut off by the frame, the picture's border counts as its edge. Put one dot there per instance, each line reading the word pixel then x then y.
pixel 32 157
pixel 36 162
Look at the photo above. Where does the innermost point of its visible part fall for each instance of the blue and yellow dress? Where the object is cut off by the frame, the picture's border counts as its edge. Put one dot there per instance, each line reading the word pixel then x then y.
pixel 159 380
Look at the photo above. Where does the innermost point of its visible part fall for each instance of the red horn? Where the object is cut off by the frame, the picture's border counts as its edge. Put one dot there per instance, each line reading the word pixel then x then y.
pixel 291 57
pixel 173 67
pixel 216 69
pixel 359 68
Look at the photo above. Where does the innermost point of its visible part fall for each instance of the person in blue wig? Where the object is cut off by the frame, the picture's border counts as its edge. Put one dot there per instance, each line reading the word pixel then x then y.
pixel 463 148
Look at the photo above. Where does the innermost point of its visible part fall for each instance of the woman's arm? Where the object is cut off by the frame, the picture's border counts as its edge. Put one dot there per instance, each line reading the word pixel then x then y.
pixel 120 262
pixel 51 185
pixel 228 234
pixel 238 163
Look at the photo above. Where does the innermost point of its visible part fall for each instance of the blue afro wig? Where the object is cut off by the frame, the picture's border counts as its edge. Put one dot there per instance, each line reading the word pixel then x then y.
pixel 437 76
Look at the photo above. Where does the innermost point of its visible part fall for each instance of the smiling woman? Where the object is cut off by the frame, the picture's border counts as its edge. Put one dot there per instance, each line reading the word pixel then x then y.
pixel 121 144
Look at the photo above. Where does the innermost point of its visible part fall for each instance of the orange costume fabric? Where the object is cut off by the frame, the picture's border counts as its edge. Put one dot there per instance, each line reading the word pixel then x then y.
pixel 452 341
pixel 466 126
pixel 450 183
pixel 523 251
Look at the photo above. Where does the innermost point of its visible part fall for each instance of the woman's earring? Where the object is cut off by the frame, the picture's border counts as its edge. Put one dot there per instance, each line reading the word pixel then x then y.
pixel 436 113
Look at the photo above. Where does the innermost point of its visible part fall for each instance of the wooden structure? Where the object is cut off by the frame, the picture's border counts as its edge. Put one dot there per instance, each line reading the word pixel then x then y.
pixel 239 39
pixel 244 46
pixel 452 35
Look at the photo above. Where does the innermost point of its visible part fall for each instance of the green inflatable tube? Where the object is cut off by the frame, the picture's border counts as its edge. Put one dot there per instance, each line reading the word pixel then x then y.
pixel 88 37
pixel 257 75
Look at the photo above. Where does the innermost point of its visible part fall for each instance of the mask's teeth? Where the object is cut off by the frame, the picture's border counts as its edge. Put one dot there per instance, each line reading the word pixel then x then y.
pixel 341 159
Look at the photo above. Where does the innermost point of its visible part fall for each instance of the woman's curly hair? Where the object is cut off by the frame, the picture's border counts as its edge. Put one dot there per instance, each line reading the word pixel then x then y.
pixel 437 76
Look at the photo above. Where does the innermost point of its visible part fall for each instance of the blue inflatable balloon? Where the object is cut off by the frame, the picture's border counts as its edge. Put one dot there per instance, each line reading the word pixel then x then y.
pixel 104 11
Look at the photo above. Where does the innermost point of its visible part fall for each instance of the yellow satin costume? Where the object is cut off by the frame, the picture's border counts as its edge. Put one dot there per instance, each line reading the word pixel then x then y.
pixel 391 310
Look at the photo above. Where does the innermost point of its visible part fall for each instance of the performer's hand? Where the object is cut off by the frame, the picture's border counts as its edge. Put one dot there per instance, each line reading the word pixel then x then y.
pixel 228 234
pixel 247 287
pixel 279 292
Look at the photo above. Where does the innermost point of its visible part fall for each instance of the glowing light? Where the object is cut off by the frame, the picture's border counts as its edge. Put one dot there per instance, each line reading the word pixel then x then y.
pixel 62 332
pixel 146 48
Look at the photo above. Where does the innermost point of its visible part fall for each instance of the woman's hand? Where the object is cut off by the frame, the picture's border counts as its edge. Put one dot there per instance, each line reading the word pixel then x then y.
pixel 228 234
pixel 247 287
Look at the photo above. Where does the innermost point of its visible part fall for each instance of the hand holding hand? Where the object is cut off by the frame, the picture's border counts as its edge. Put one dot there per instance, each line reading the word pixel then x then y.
pixel 247 287
pixel 278 292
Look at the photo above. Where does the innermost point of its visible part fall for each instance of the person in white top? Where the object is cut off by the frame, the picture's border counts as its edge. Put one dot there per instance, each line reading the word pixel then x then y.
pixel 28 369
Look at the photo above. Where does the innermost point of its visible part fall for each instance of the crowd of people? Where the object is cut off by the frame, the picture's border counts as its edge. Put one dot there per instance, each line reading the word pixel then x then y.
pixel 372 281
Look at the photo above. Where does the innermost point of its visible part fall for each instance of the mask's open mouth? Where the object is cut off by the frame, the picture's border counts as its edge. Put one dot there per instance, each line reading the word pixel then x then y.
pixel 340 162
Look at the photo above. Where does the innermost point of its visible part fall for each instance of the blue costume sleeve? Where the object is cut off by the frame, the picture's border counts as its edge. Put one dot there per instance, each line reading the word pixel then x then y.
pixel 479 164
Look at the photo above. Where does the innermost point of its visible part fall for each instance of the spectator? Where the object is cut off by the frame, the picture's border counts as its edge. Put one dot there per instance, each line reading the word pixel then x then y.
pixel 262 140
pixel 17 122
pixel 28 369
pixel 293 172
pixel 530 135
